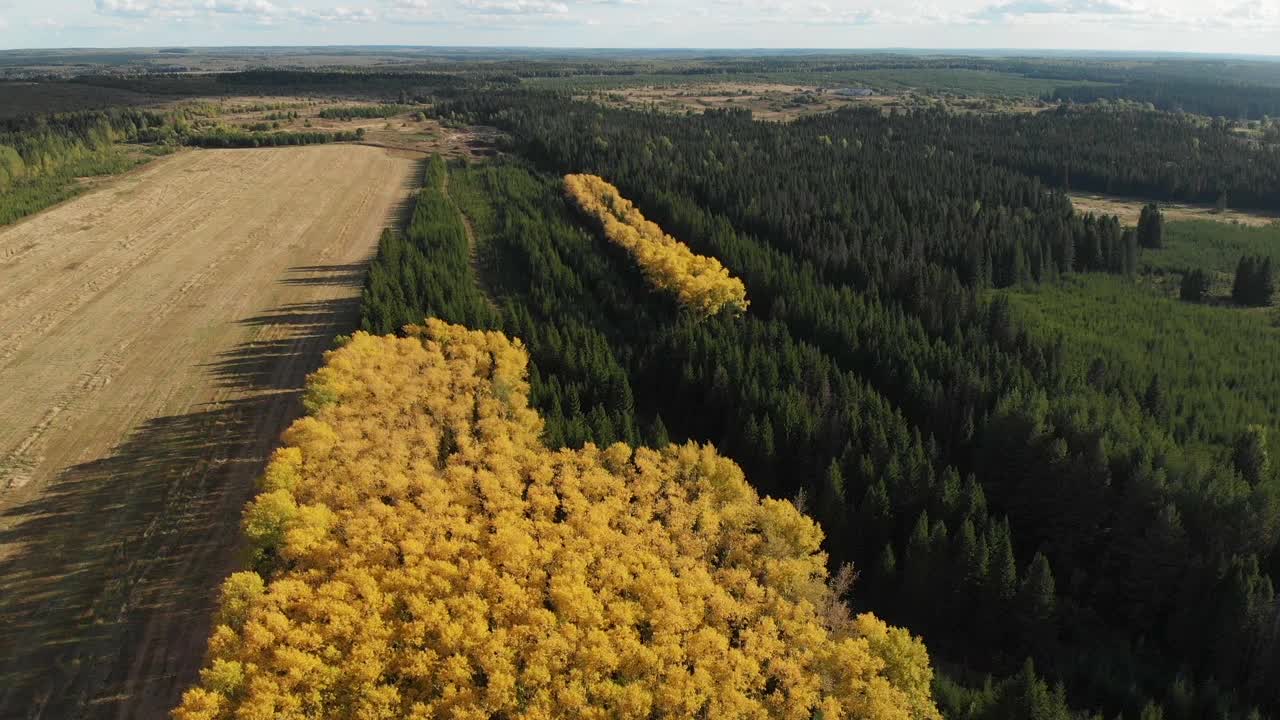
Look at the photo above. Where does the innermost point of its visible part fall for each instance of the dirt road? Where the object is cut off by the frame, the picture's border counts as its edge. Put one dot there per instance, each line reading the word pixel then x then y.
pixel 154 336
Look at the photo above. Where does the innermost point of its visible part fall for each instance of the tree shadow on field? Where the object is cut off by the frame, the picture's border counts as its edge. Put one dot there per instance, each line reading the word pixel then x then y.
pixel 261 364
pixel 110 545
pixel 402 212
pixel 351 275
pixel 110 574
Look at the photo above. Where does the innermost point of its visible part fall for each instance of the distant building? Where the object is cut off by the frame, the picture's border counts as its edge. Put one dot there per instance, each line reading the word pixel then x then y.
pixel 854 92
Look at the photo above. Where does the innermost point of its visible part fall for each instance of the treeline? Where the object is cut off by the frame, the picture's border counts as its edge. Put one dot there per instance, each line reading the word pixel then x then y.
pixel 1153 155
pixel 866 246
pixel 1232 100
pixel 36 146
pixel 419 553
pixel 42 155
pixel 1134 152
pixel 419 86
pixel 224 137
pixel 363 111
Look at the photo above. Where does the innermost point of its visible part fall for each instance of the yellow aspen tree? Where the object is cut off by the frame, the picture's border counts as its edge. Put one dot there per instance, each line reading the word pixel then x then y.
pixel 700 283
pixel 425 556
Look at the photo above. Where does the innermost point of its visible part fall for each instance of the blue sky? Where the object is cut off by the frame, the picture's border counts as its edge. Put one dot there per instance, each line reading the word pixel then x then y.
pixel 1233 26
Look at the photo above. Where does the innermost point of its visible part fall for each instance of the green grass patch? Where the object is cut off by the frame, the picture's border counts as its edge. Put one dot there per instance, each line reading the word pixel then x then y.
pixel 1215 247
pixel 1216 364
pixel 1210 245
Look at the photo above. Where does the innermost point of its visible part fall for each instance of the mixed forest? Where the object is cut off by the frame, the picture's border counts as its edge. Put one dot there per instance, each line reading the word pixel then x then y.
pixel 848 386
pixel 1040 513
pixel 425 556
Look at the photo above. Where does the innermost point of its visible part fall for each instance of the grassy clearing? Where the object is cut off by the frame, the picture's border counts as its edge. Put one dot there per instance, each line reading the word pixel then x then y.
pixel 1215 247
pixel 1211 245
pixel 1216 363
pixel 1128 209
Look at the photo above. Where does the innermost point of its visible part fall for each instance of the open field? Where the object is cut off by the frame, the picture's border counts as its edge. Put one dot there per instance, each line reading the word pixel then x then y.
pixel 155 335
pixel 786 101
pixel 409 131
pixel 1128 210
pixel 766 101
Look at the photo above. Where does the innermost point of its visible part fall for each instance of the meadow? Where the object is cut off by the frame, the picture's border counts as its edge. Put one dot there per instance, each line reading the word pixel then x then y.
pixel 1215 364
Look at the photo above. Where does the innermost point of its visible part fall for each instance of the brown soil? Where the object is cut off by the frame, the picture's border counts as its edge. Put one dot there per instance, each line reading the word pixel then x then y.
pixel 154 336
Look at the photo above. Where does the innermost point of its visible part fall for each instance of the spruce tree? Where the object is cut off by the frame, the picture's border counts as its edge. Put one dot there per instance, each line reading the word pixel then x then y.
pixel 658 436
pixel 1195 285
pixel 1151 227
pixel 1250 457
pixel 1037 605
pixel 1002 580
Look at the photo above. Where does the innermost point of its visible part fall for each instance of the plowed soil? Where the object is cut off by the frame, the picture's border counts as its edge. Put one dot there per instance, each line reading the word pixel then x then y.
pixel 154 337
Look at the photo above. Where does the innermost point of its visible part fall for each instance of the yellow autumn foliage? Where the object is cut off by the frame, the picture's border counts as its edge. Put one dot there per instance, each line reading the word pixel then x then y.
pixel 700 283
pixel 433 560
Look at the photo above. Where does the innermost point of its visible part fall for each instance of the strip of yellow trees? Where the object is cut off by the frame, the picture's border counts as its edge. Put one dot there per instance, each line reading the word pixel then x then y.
pixel 700 283
pixel 428 557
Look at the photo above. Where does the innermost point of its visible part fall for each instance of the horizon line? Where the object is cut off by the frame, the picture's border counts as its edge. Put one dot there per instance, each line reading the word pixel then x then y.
pixel 926 50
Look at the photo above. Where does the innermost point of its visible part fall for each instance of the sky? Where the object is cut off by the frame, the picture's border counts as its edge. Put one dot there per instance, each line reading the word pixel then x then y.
pixel 1207 26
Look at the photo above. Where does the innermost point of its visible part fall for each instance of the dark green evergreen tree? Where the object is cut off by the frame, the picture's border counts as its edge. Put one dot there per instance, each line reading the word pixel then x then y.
pixel 1151 227
pixel 1195 285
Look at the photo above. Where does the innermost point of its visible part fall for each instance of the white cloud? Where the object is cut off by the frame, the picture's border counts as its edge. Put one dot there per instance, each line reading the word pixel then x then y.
pixel 516 7
pixel 336 15
pixel 1251 14
pixel 1256 15
pixel 127 8
pixel 263 12
pixel 412 11
pixel 834 14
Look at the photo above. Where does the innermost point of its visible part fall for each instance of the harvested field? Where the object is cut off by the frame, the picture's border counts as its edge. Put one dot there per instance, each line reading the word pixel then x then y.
pixel 154 336
pixel 1128 210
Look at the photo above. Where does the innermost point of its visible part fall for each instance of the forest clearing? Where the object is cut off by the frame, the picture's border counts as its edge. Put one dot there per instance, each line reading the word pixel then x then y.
pixel 156 336
pixel 1128 209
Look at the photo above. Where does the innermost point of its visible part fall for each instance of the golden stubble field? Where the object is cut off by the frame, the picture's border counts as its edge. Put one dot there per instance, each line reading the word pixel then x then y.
pixel 154 337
